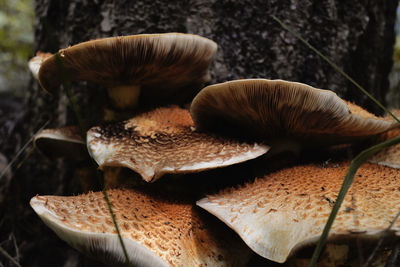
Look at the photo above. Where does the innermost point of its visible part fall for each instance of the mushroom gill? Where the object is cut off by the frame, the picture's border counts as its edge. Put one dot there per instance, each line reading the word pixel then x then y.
pixel 153 67
pixel 276 109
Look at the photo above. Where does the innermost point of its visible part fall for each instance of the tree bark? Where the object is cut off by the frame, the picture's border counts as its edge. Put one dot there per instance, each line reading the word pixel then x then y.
pixel 358 36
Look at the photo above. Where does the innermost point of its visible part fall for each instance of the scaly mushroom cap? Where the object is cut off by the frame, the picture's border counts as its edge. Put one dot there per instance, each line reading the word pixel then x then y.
pixel 164 141
pixel 62 142
pixel 283 211
pixel 35 63
pixel 162 65
pixel 275 109
pixel 155 231
pixel 389 156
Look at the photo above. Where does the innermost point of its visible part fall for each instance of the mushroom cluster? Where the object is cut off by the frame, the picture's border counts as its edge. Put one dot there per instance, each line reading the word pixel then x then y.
pixel 247 123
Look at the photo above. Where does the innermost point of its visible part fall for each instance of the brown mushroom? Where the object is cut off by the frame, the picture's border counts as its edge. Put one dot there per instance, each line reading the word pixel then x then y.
pixel 35 63
pixel 154 66
pixel 279 213
pixel 164 141
pixel 62 142
pixel 276 110
pixel 155 231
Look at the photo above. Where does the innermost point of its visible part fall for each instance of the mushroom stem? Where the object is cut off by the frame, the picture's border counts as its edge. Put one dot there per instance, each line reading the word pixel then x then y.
pixel 124 96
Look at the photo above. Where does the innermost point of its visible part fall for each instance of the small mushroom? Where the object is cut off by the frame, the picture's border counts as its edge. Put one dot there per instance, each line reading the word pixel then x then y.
pixel 62 142
pixel 276 110
pixel 155 231
pixel 35 63
pixel 155 66
pixel 164 141
pixel 286 210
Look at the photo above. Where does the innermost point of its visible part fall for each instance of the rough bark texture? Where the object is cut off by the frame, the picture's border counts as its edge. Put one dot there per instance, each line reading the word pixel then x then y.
pixel 356 35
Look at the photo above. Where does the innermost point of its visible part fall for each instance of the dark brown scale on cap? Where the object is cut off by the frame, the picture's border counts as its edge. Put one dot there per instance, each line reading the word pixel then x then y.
pixel 276 109
pixel 165 141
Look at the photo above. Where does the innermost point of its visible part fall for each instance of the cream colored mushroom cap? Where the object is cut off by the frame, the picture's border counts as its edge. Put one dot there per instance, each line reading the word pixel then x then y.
pixel 155 231
pixel 162 63
pixel 275 108
pixel 164 141
pixel 286 210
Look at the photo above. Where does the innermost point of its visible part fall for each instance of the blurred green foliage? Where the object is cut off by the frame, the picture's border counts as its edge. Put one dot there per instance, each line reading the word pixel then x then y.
pixel 393 96
pixel 16 39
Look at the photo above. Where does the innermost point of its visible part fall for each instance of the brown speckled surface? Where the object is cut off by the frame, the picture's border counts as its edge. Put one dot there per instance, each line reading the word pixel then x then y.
pixel 176 231
pixel 165 141
pixel 289 208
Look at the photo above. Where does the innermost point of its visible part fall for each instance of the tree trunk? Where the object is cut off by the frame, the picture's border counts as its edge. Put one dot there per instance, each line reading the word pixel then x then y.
pixel 358 36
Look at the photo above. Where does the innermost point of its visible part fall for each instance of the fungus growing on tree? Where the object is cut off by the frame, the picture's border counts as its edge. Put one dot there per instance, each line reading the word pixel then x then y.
pixel 164 141
pixel 156 231
pixel 35 63
pixel 275 110
pixel 154 67
pixel 286 210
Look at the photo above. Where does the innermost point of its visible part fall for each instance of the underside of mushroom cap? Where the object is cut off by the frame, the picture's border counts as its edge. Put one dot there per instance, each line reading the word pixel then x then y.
pixel 286 210
pixel 272 109
pixel 62 142
pixel 165 141
pixel 163 65
pixel 155 231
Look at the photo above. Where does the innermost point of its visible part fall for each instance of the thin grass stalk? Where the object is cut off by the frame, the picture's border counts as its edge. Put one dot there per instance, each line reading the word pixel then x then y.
pixel 348 180
pixel 333 65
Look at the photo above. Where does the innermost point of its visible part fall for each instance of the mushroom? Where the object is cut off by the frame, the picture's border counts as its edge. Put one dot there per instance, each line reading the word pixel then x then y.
pixel 165 141
pixel 277 110
pixel 155 231
pixel 62 142
pixel 283 211
pixel 154 66
pixel 35 63
pixel 389 156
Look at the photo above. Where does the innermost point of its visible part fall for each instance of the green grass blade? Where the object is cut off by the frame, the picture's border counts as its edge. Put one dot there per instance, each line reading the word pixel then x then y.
pixel 348 180
pixel 82 126
pixel 333 65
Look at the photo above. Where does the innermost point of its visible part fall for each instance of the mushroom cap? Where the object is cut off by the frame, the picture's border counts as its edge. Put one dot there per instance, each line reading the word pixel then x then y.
pixel 286 210
pixel 35 63
pixel 273 109
pixel 389 156
pixel 162 64
pixel 61 142
pixel 155 231
pixel 164 141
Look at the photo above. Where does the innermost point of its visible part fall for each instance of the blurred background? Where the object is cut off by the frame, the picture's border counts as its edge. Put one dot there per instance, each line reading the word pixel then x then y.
pixel 16 45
